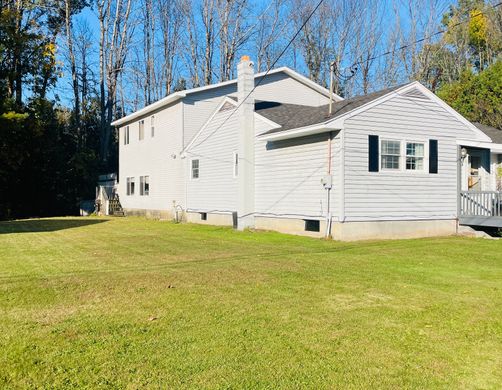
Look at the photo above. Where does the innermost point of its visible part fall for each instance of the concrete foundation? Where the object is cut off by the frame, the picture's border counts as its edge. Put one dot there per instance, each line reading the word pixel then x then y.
pixel 289 226
pixel 347 231
pixel 153 214
pixel 212 219
pixel 382 230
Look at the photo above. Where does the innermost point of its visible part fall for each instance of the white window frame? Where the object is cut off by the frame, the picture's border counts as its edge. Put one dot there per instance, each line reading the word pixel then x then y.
pixel 141 130
pixel 235 165
pixel 400 157
pixel 152 126
pixel 425 167
pixel 126 135
pixel 130 186
pixel 192 169
pixel 143 180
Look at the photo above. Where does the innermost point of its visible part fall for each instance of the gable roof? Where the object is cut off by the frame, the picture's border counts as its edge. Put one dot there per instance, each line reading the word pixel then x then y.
pixel 292 116
pixel 317 123
pixel 181 94
pixel 492 132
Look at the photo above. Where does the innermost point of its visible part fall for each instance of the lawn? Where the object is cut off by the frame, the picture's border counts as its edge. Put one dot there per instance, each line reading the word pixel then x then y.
pixel 134 303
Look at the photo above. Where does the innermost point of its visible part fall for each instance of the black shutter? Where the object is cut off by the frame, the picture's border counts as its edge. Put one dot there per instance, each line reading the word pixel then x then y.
pixel 433 156
pixel 373 162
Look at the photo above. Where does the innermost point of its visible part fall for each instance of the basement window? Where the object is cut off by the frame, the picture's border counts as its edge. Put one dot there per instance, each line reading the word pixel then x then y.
pixel 312 225
pixel 203 216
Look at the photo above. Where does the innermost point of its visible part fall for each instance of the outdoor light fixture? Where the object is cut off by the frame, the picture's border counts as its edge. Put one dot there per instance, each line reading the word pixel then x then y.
pixel 463 153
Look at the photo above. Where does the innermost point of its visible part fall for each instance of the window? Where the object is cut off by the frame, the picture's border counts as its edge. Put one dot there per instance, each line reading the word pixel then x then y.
pixel 152 126
pixel 203 216
pixel 312 225
pixel 415 156
pixel 236 164
pixel 126 135
pixel 130 185
pixel 141 129
pixel 391 154
pixel 144 185
pixel 195 169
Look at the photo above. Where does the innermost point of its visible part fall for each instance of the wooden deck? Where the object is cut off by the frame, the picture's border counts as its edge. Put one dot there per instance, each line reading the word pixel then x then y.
pixel 480 208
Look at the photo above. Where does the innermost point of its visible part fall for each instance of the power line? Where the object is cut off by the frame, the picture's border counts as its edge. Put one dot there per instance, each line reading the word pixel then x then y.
pixel 266 73
pixel 425 38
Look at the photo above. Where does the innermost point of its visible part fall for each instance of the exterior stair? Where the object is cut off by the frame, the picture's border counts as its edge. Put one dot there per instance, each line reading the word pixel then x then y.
pixel 115 208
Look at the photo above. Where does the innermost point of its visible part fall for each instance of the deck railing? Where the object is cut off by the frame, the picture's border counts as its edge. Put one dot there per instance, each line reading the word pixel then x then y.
pixel 481 203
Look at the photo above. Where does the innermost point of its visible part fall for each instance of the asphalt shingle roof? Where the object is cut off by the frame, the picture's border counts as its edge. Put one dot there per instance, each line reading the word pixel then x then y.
pixel 492 132
pixel 292 116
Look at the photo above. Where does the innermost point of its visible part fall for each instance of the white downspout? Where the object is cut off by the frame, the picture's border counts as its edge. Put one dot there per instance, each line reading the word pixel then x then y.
pixel 341 183
pixel 328 185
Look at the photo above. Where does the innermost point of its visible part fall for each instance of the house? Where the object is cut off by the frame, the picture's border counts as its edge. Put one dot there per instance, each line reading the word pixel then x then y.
pixel 269 151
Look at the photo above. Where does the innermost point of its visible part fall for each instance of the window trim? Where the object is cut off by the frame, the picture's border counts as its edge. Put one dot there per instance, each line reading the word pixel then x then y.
pixel 141 130
pixel 142 185
pixel 235 165
pixel 126 135
pixel 130 180
pixel 192 169
pixel 382 168
pixel 402 156
pixel 425 155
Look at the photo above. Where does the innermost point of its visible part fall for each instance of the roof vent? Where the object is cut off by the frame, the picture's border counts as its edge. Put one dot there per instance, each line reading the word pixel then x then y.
pixel 415 93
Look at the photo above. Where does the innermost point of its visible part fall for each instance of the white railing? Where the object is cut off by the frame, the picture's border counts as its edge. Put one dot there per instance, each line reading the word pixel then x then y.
pixel 481 203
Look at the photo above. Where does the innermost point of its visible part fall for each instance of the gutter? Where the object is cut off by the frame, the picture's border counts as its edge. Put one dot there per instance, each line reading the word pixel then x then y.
pixel 298 132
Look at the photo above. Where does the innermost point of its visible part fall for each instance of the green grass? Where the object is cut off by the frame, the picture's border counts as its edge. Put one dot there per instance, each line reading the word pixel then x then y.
pixel 134 303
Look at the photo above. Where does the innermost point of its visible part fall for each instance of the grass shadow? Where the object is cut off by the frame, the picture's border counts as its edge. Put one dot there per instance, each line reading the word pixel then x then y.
pixel 45 225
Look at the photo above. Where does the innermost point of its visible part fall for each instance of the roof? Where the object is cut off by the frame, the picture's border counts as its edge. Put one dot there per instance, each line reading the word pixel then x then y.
pixel 492 132
pixel 292 116
pixel 181 94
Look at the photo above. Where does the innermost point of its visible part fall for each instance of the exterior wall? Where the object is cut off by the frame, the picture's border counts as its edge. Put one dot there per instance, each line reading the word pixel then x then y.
pixel 288 177
pixel 404 195
pixel 216 188
pixel 153 157
pixel 277 87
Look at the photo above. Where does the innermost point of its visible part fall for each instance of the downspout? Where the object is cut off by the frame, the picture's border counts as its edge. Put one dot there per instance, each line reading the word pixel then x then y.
pixel 459 184
pixel 328 185
pixel 341 217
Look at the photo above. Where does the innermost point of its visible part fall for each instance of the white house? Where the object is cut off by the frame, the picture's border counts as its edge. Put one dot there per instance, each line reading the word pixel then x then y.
pixel 266 151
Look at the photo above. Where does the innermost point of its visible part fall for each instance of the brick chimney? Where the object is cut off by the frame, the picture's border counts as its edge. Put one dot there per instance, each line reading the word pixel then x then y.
pixel 245 192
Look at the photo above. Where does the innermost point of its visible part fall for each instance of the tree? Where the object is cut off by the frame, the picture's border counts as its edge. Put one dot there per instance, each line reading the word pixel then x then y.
pixel 478 97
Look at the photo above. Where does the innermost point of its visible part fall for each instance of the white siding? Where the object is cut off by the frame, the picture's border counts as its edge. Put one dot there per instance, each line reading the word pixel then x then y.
pixel 153 157
pixel 216 188
pixel 277 87
pixel 402 195
pixel 288 177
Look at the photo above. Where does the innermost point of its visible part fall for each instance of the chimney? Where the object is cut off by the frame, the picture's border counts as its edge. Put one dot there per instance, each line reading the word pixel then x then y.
pixel 245 178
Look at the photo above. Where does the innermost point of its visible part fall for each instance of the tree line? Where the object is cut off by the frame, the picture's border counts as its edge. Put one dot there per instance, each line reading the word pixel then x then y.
pixel 68 68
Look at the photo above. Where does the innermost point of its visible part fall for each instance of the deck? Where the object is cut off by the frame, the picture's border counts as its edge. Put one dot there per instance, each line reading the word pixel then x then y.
pixel 480 208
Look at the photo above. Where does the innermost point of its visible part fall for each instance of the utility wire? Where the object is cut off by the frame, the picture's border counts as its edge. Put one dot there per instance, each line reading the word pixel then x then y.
pixel 427 37
pixel 266 73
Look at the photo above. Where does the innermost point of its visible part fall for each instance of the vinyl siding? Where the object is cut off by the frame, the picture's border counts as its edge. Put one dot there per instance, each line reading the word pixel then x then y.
pixel 402 195
pixel 216 189
pixel 153 157
pixel 277 87
pixel 288 177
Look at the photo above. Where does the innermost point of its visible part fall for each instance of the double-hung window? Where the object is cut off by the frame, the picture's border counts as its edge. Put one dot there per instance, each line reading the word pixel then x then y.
pixel 391 154
pixel 415 156
pixel 141 129
pixel 195 169
pixel 144 185
pixel 152 126
pixel 130 185
pixel 126 135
